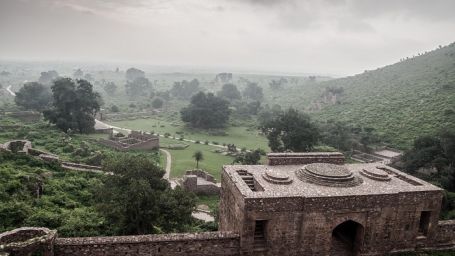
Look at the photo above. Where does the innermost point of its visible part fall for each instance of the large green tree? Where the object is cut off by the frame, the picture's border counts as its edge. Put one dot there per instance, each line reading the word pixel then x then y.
pixel 206 111
pixel 75 105
pixel 137 200
pixel 33 96
pixel 291 130
pixel 230 92
pixel 134 73
pixel 140 86
pixel 110 88
pixel 185 89
pixel 253 91
pixel 48 77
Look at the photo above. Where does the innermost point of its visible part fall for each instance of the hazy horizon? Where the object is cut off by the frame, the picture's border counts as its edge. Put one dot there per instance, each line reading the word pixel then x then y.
pixel 290 37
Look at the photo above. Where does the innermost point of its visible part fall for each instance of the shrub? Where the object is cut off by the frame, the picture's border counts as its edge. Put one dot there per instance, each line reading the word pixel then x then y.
pixel 68 148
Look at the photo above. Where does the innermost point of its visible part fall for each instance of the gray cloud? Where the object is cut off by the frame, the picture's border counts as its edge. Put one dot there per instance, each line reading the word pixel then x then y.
pixel 328 36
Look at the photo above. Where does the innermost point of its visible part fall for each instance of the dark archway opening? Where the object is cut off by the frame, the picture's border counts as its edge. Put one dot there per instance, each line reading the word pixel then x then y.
pixel 347 238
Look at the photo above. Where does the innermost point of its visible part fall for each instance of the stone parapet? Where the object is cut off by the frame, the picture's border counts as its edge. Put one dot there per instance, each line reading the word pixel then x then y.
pixel 305 158
pixel 201 244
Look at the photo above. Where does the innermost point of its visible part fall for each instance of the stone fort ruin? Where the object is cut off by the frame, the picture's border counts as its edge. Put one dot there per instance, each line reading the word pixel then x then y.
pixel 298 204
pixel 136 140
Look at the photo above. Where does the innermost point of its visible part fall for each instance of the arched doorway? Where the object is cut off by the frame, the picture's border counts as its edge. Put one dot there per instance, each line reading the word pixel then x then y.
pixel 347 238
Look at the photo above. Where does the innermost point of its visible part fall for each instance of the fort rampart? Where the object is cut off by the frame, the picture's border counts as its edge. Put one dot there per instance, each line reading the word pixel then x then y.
pixel 209 243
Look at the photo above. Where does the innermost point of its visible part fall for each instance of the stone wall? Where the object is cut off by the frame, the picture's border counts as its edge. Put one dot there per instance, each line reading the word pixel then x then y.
pixel 144 142
pixel 305 158
pixel 201 174
pixel 446 234
pixel 198 244
pixel 304 226
pixel 25 241
pixel 200 182
pixel 26 116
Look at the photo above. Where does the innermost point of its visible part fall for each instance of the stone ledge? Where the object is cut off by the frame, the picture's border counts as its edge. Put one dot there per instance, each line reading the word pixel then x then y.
pixel 145 238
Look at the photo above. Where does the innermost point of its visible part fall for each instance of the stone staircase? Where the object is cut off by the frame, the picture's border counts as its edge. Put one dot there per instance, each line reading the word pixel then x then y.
pixel 248 179
pixel 260 243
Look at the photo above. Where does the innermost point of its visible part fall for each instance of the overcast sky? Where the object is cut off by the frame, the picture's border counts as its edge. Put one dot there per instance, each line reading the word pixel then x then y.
pixel 302 36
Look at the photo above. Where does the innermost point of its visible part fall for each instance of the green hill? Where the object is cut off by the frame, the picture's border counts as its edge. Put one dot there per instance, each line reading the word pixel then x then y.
pixel 401 101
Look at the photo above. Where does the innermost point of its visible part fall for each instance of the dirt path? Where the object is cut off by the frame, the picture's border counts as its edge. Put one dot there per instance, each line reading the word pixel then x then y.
pixel 168 163
pixel 10 92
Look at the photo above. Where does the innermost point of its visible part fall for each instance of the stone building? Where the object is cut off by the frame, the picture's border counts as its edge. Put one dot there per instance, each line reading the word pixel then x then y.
pixel 200 182
pixel 312 204
pixel 298 204
pixel 136 140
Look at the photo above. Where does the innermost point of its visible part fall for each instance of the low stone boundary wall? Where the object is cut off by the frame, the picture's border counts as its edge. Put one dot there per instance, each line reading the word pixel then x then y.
pixel 445 233
pixel 305 158
pixel 200 182
pixel 26 116
pixel 200 244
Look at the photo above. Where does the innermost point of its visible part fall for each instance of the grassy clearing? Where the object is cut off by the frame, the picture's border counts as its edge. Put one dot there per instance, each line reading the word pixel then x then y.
pixel 182 160
pixel 212 201
pixel 240 136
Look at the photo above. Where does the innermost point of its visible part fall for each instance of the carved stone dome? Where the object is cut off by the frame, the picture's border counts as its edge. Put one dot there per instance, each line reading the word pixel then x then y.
pixel 331 175
pixel 375 174
pixel 276 177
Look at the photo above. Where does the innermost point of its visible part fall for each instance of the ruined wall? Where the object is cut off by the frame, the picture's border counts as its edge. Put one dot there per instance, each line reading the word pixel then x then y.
pixel 25 241
pixel 144 145
pixel 305 158
pixel 231 206
pixel 200 182
pixel 201 187
pixel 202 174
pixel 445 235
pixel 149 144
pixel 304 226
pixel 200 244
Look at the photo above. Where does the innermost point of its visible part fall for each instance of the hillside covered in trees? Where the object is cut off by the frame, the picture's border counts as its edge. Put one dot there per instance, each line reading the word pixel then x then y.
pixel 401 101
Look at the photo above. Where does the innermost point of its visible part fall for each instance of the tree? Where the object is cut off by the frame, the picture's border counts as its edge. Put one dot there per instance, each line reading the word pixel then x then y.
pixel 291 130
pixel 185 90
pixel 206 111
pixel 248 158
pixel 198 156
pixel 134 73
pixel 223 78
pixel 230 92
pixel 110 88
pixel 33 96
pixel 115 109
pixel 154 206
pixel 157 103
pixel 338 135
pixel 75 105
pixel 253 91
pixel 140 86
pixel 78 73
pixel 48 77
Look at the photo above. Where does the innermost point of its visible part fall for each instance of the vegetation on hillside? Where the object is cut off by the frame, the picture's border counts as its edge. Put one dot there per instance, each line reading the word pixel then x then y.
pixel 401 101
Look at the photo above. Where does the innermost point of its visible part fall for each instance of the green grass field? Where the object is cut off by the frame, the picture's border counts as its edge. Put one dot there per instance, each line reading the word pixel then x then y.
pixel 240 136
pixel 183 160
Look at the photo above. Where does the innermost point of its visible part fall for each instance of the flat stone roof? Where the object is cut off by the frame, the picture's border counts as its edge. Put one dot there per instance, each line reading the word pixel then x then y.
pixel 380 179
